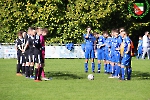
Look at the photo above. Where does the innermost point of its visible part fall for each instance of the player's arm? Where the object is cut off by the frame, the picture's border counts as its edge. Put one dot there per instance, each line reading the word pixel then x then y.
pixel 87 35
pixel 26 45
pixel 16 45
pixel 95 44
pixel 129 48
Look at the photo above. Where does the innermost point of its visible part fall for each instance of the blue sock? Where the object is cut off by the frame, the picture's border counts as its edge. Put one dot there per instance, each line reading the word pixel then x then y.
pixel 105 67
pixel 108 68
pixel 116 70
pixel 86 66
pixel 119 70
pixel 93 66
pixel 123 73
pixel 113 70
pixel 99 67
pixel 129 73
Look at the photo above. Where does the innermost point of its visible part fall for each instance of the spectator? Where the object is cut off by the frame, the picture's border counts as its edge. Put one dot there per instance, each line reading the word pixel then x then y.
pixel 149 45
pixel 145 45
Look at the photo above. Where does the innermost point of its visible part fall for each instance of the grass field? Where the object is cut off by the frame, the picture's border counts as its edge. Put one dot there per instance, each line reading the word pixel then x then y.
pixel 69 82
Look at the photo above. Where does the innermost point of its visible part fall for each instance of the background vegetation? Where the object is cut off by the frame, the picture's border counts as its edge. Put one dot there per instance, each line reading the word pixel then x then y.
pixel 66 20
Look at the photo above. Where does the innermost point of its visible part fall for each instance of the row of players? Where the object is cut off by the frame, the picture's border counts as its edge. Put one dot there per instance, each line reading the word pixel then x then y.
pixel 114 50
pixel 30 48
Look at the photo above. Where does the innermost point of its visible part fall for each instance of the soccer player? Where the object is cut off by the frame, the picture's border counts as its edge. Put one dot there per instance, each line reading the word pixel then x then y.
pixel 145 45
pixel 117 56
pixel 42 32
pixel 19 48
pixel 38 55
pixel 29 50
pixel 100 50
pixel 90 47
pixel 126 59
pixel 112 59
pixel 107 53
pixel 139 48
pixel 24 34
pixel 149 44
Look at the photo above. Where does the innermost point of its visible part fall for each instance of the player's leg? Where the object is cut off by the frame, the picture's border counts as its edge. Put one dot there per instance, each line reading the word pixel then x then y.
pixel 18 64
pixel 92 56
pixel 31 68
pixel 128 67
pixel 148 53
pixel 23 63
pixel 87 52
pixel 28 60
pixel 112 65
pixel 144 52
pixel 38 68
pixel 124 63
pixel 117 64
pixel 99 60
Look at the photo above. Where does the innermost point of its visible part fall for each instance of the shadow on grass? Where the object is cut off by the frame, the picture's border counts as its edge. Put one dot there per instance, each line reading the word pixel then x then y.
pixel 141 75
pixel 65 75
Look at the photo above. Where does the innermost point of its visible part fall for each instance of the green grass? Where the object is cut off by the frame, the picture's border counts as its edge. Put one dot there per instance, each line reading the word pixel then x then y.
pixel 69 82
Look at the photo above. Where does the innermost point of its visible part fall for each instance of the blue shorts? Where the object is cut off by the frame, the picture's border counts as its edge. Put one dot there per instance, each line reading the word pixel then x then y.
pixel 117 57
pixel 100 54
pixel 107 56
pixel 126 60
pixel 139 51
pixel 89 53
pixel 112 55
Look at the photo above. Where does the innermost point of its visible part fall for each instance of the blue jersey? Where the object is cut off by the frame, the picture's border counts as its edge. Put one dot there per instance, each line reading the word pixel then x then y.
pixel 126 42
pixel 89 42
pixel 107 44
pixel 101 41
pixel 116 43
pixel 140 44
pixel 112 44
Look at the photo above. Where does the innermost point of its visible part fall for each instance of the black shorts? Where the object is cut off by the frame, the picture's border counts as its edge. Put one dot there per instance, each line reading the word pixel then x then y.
pixel 19 58
pixel 31 58
pixel 38 58
pixel 27 55
pixel 23 58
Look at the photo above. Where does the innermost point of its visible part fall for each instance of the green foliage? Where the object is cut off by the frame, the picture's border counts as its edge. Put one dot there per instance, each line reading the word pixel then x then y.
pixel 66 20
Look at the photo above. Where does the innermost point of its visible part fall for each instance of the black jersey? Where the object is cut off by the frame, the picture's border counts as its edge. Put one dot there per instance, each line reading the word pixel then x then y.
pixel 25 41
pixel 19 44
pixel 37 44
pixel 31 44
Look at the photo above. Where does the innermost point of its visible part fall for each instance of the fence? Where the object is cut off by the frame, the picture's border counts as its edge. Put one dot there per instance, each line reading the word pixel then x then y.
pixel 7 50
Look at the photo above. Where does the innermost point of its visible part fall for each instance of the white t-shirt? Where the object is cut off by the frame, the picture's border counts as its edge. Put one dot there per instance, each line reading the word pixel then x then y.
pixel 145 41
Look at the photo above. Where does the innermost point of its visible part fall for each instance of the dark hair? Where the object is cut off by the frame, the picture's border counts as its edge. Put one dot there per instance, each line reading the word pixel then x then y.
pixel 45 30
pixel 20 33
pixel 104 32
pixel 116 31
pixel 88 27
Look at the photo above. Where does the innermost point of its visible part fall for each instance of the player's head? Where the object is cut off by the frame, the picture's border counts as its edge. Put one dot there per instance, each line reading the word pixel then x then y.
pixel 124 34
pixel 24 34
pixel 146 33
pixel 140 37
pixel 112 32
pixel 121 29
pixel 105 34
pixel 88 29
pixel 44 31
pixel 20 34
pixel 31 31
pixel 116 32
pixel 39 30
